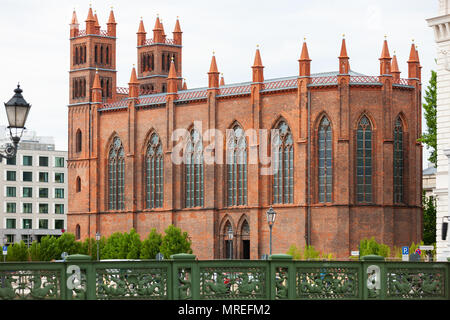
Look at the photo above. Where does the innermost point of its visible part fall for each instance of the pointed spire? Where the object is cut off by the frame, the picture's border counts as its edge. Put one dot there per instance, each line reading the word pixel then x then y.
pixel 257 74
pixel 385 59
pixel 96 88
pixel 90 22
pixel 97 25
pixel 90 16
pixel 157 23
pixel 74 18
pixel 385 52
pixel 184 85
pixel 413 53
pixel 74 25
pixel 158 33
pixel 141 34
pixel 304 61
pixel 213 66
pixel 395 70
pixel 111 25
pixel 172 78
pixel 133 85
pixel 413 63
pixel 177 38
pixel 96 84
pixel 344 65
pixel 222 80
pixel 213 74
pixel 141 27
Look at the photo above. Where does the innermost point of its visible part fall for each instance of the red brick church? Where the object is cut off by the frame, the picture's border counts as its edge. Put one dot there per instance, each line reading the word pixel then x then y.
pixel 348 164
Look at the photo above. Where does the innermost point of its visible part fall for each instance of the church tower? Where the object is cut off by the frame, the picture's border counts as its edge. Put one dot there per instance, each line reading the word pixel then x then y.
pixel 155 56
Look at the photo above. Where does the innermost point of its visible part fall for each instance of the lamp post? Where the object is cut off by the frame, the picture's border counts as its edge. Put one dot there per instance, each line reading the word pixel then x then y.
pixel 271 215
pixel 97 238
pixel 17 110
pixel 230 237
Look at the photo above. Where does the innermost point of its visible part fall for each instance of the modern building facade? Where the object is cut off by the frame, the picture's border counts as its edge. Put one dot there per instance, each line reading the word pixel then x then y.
pixel 442 37
pixel 342 163
pixel 34 190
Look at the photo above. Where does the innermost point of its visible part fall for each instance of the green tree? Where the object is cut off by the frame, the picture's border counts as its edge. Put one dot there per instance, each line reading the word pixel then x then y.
pixel 429 138
pixel 133 245
pixel 49 249
pixel 429 219
pixel 174 241
pixel 113 246
pixel 371 246
pixel 17 252
pixel 35 251
pixel 89 247
pixel 67 243
pixel 151 245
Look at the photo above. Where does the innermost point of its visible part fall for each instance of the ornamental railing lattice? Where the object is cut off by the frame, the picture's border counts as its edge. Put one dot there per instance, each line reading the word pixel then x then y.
pixel 183 277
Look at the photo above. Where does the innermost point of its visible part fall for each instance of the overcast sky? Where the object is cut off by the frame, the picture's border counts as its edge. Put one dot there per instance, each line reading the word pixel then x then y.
pixel 34 42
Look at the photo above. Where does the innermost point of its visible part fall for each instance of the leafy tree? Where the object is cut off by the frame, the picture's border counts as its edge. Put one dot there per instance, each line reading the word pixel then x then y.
pixel 89 247
pixel 67 243
pixel 175 242
pixel 308 253
pixel 113 246
pixel 371 246
pixel 133 242
pixel 35 251
pixel 429 138
pixel 49 249
pixel 17 252
pixel 151 245
pixel 429 219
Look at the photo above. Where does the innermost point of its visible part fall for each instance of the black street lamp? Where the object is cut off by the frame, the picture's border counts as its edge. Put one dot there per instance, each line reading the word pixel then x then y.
pixel 97 238
pixel 230 238
pixel 271 215
pixel 17 110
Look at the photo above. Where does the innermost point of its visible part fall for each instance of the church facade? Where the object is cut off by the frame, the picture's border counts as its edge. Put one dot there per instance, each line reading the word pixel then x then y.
pixel 335 154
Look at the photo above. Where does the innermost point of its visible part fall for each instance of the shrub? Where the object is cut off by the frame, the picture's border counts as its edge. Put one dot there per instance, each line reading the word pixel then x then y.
pixel 175 242
pixel 151 245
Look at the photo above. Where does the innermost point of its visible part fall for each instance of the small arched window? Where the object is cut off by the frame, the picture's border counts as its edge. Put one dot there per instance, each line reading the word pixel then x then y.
pixel 116 176
pixel 107 55
pixel 78 141
pixel 364 161
pixel 77 232
pixel 154 168
pixel 283 177
pixel 101 54
pixel 96 54
pixel 78 185
pixel 193 170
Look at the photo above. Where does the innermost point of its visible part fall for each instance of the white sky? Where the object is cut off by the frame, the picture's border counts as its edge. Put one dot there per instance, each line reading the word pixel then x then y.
pixel 34 42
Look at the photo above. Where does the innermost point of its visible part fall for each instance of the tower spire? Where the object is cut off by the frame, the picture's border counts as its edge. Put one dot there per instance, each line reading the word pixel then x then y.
pixel 141 34
pixel 90 22
pixel 222 80
pixel 395 71
pixel 177 33
pixel 344 65
pixel 413 63
pixel 304 61
pixel 111 25
pixel 97 25
pixel 213 74
pixel 385 59
pixel 258 75
pixel 172 79
pixel 133 85
pixel 74 25
pixel 96 88
pixel 157 31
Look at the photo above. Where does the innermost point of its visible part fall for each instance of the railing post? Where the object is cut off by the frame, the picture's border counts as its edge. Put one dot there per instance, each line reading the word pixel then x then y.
pixel 185 277
pixel 374 277
pixel 282 277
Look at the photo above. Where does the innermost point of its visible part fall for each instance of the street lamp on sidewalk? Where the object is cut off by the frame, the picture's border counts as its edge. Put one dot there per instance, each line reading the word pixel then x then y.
pixel 271 215
pixel 17 110
pixel 97 238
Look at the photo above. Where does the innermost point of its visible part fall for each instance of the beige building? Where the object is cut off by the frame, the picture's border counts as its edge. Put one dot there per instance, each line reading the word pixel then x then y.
pixel 33 200
pixel 429 180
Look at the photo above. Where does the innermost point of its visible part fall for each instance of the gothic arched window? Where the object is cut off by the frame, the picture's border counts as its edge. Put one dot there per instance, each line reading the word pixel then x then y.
pixel 154 173
pixel 193 171
pixel 78 184
pixel 236 167
pixel 77 232
pixel 398 161
pixel 364 161
pixel 325 160
pixel 78 141
pixel 116 176
pixel 283 156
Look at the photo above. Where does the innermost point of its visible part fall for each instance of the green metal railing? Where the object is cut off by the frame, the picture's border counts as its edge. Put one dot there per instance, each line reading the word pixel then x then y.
pixel 184 277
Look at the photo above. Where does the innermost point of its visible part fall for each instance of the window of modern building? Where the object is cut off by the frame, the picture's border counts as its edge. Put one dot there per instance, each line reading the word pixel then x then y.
pixel 43 161
pixel 10 223
pixel 27 176
pixel 43 223
pixel 27 224
pixel 59 208
pixel 116 175
pixel 43 176
pixel 10 176
pixel 193 171
pixel 59 162
pixel 27 192
pixel 27 207
pixel 27 160
pixel 283 176
pixel 11 161
pixel 43 192
pixel 59 177
pixel 11 207
pixel 325 158
pixel 154 173
pixel 59 224
pixel 10 191
pixel 236 167
pixel 43 207
pixel 364 161
pixel 59 193
pixel 9 238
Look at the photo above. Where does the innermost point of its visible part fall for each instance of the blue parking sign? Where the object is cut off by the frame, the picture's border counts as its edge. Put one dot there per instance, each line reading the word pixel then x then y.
pixel 405 250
